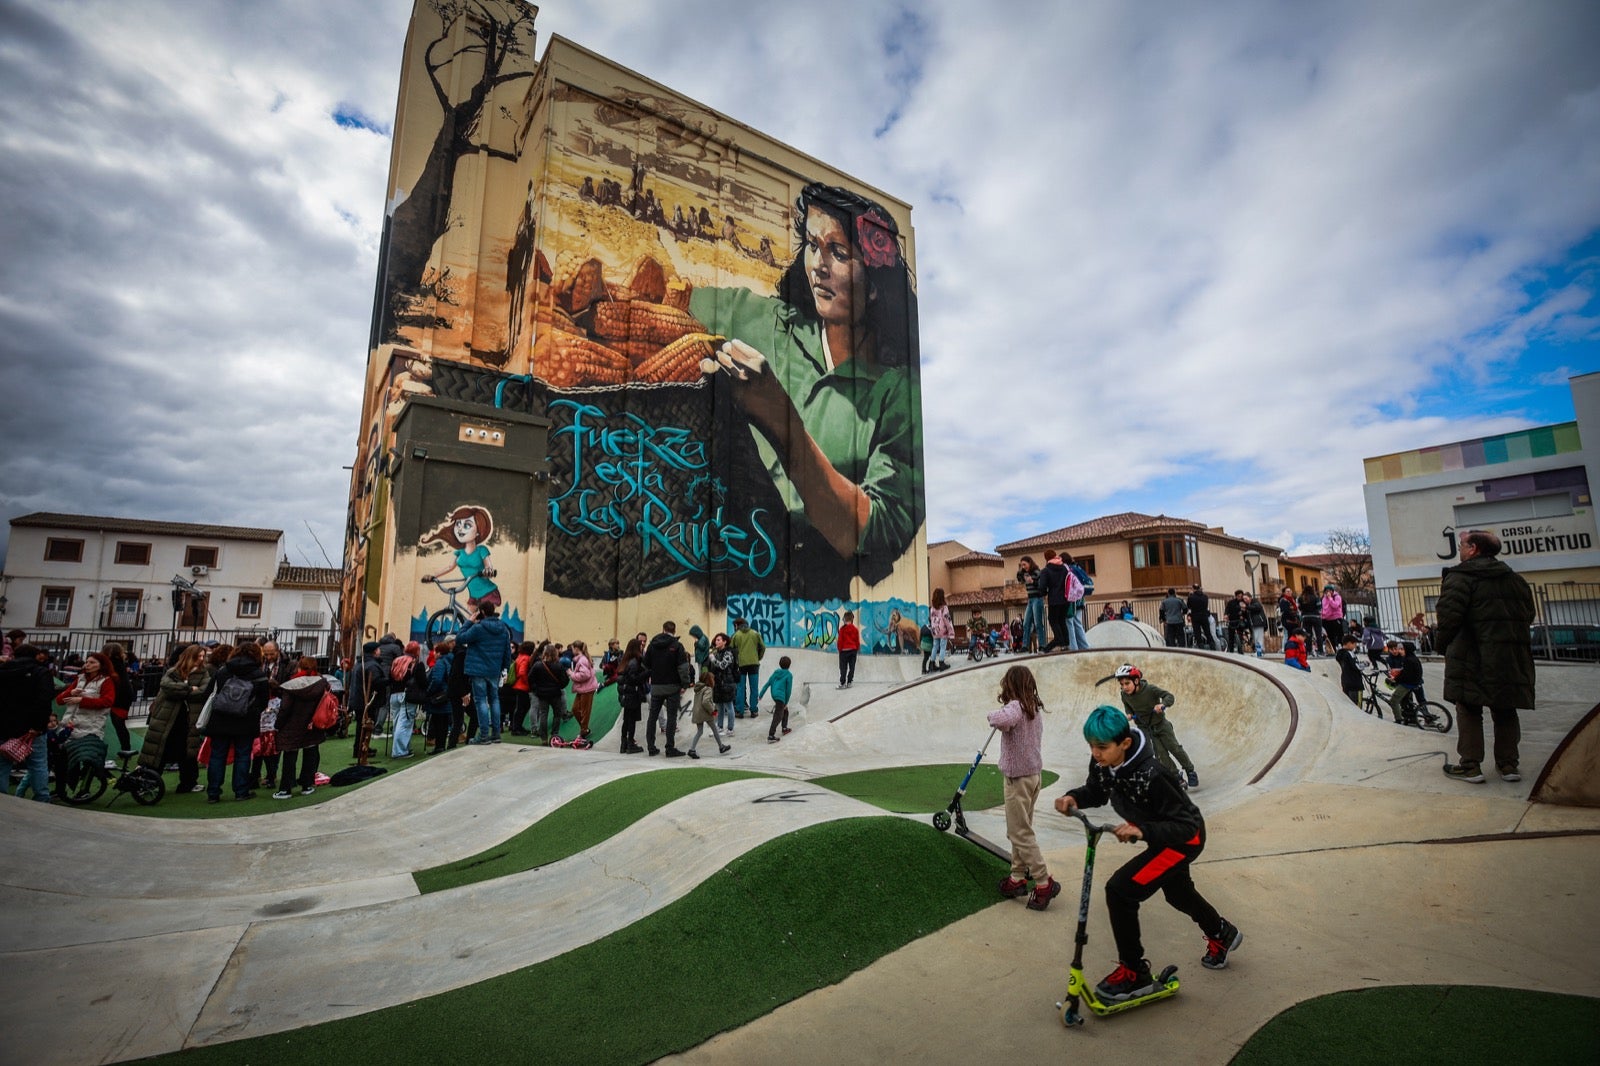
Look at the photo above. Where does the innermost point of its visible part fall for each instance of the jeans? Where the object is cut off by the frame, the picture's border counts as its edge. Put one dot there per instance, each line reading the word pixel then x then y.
pixel 36 769
pixel 671 703
pixel 939 646
pixel 748 675
pixel 218 765
pixel 550 712
pixel 397 700
pixel 725 716
pixel 1077 636
pixel 1033 624
pixel 405 723
pixel 1259 633
pixel 486 701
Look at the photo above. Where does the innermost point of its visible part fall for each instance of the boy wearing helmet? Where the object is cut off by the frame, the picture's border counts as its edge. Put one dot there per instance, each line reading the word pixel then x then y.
pixel 1123 771
pixel 1147 705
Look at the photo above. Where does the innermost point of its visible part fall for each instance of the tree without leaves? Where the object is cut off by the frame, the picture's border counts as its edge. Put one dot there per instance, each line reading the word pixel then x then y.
pixel 1350 558
pixel 495 31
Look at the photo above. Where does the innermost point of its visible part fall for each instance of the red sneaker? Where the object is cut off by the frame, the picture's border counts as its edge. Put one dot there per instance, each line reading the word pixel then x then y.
pixel 1012 887
pixel 1043 894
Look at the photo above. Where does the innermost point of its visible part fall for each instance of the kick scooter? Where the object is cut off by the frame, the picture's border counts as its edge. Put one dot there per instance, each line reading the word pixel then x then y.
pixel 941 820
pixel 1080 990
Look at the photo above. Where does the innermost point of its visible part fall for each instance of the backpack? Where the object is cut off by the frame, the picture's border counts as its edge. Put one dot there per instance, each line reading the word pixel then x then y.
pixel 1087 581
pixel 1074 587
pixel 401 667
pixel 232 697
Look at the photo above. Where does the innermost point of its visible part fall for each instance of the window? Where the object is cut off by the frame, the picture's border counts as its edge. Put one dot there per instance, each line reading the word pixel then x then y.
pixel 124 610
pixel 198 556
pixel 61 550
pixel 130 554
pixel 55 606
pixel 1160 562
pixel 250 605
pixel 1085 561
pixel 194 609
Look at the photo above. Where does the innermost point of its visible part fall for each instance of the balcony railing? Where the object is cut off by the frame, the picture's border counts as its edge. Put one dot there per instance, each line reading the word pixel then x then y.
pixel 310 619
pixel 52 618
pixel 122 620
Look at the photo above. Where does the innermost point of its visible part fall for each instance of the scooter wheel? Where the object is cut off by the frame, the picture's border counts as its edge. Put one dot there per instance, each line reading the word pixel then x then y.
pixel 1071 1018
pixel 1166 975
pixel 941 821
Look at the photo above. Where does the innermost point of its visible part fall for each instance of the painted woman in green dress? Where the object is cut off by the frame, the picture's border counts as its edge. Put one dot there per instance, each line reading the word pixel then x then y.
pixel 827 373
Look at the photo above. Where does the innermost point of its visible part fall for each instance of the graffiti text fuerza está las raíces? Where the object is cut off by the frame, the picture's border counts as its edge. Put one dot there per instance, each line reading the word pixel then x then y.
pixel 631 477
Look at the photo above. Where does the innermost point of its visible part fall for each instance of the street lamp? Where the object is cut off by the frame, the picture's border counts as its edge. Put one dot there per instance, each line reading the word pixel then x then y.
pixel 1252 559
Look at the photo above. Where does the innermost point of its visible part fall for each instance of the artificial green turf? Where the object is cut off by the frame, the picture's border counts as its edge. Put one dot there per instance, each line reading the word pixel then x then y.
pixel 910 789
pixel 587 820
pixel 1417 1024
pixel 797 914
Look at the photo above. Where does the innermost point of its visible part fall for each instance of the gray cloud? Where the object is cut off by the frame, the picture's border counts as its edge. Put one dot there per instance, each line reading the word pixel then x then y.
pixel 1228 248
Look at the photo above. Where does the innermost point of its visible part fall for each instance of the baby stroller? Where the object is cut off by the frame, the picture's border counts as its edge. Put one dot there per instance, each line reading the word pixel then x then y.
pixel 83 781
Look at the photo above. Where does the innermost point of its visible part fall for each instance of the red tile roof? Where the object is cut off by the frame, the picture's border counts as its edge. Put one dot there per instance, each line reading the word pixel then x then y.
pixel 321 577
pixel 1122 526
pixel 975 557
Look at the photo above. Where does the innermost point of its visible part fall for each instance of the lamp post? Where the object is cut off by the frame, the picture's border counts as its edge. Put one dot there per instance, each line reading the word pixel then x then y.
pixel 1252 559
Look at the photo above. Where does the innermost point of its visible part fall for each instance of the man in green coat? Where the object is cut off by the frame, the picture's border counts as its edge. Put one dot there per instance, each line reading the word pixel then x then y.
pixel 748 648
pixel 1484 611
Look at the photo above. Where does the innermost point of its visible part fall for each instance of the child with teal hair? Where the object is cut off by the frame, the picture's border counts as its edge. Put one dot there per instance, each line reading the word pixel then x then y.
pixel 1123 771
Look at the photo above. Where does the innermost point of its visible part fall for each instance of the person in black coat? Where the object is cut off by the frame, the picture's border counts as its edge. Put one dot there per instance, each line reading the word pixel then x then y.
pixel 633 684
pixel 235 731
pixel 27 692
pixel 662 659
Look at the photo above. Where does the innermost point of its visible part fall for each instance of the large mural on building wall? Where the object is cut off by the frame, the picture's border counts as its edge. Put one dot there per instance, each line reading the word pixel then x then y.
pixel 724 340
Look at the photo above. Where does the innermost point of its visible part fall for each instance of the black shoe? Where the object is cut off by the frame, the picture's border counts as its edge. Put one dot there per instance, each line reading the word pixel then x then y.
pixel 723 749
pixel 674 753
pixel 691 753
pixel 213 799
pixel 1125 983
pixel 1217 947
pixel 655 751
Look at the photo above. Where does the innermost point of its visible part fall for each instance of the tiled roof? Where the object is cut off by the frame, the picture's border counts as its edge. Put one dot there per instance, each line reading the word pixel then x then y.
pixel 991 596
pixel 1114 525
pixel 974 557
pixel 1323 562
pixel 322 577
pixel 99 524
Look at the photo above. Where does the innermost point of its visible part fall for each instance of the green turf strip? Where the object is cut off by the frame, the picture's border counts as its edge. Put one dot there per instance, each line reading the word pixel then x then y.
pixel 587 820
pixel 1418 1024
pixel 796 914
pixel 910 789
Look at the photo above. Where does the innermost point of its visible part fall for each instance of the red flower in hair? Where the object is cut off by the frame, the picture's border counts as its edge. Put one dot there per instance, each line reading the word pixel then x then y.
pixel 878 247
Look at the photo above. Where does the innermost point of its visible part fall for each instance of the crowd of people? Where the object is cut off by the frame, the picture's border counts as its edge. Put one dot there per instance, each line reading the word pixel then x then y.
pixel 477 685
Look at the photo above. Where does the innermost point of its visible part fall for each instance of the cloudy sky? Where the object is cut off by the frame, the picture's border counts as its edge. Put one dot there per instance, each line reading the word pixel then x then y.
pixel 1198 259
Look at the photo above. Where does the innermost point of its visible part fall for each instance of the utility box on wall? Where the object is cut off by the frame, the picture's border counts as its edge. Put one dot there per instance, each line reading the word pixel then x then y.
pixel 468 505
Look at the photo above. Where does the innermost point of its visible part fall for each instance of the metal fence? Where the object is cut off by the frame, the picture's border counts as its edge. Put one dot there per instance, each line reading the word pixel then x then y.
pixel 151 646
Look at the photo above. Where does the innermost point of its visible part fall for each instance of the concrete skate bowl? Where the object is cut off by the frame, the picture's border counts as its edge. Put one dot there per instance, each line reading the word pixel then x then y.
pixel 1233 717
pixel 1571 777
pixel 1116 633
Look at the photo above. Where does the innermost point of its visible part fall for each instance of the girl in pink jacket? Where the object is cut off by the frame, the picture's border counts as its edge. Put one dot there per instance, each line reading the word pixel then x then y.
pixel 1021 725
pixel 584 685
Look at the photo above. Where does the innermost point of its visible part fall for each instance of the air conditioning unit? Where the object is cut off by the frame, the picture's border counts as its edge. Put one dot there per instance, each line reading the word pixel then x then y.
pixel 198 571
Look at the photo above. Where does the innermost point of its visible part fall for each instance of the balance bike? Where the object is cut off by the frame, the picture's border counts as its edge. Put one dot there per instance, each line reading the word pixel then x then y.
pixel 1080 990
pixel 576 743
pixel 942 819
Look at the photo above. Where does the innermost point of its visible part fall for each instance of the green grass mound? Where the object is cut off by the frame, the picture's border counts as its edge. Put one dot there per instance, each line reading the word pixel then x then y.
pixel 792 916
pixel 576 826
pixel 911 789
pixel 1419 1024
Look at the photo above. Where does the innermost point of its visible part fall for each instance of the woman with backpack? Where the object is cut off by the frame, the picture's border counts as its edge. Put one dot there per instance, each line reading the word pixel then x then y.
pixel 238 694
pixel 298 739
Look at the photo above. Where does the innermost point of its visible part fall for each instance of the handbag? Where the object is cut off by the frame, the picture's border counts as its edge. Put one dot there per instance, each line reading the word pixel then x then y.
pixel 326 716
pixel 17 749
pixel 205 714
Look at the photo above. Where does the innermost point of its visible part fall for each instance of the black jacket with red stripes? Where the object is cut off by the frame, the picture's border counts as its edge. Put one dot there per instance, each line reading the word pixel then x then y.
pixel 1144 793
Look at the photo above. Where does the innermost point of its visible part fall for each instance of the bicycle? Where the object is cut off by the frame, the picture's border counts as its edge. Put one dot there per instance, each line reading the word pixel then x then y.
pixel 448 619
pixel 1416 708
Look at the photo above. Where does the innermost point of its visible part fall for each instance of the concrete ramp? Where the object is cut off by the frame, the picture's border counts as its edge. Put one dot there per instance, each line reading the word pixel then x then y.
pixel 1572 776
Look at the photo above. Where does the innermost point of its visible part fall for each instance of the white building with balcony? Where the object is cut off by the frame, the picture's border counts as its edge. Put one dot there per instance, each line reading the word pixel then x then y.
pixel 146 581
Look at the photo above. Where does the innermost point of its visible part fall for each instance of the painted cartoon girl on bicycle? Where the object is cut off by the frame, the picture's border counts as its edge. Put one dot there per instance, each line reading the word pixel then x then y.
pixel 466 529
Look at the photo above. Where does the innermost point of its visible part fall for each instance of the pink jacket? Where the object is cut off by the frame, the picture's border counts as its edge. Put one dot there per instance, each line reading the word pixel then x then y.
pixel 1332 605
pixel 1021 738
pixel 582 674
pixel 939 623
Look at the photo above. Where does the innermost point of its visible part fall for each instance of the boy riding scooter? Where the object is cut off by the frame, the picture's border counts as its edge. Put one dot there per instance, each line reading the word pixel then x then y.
pixel 1124 772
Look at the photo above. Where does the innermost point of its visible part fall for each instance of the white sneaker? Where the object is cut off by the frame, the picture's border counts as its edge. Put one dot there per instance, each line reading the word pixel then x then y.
pixel 281 794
